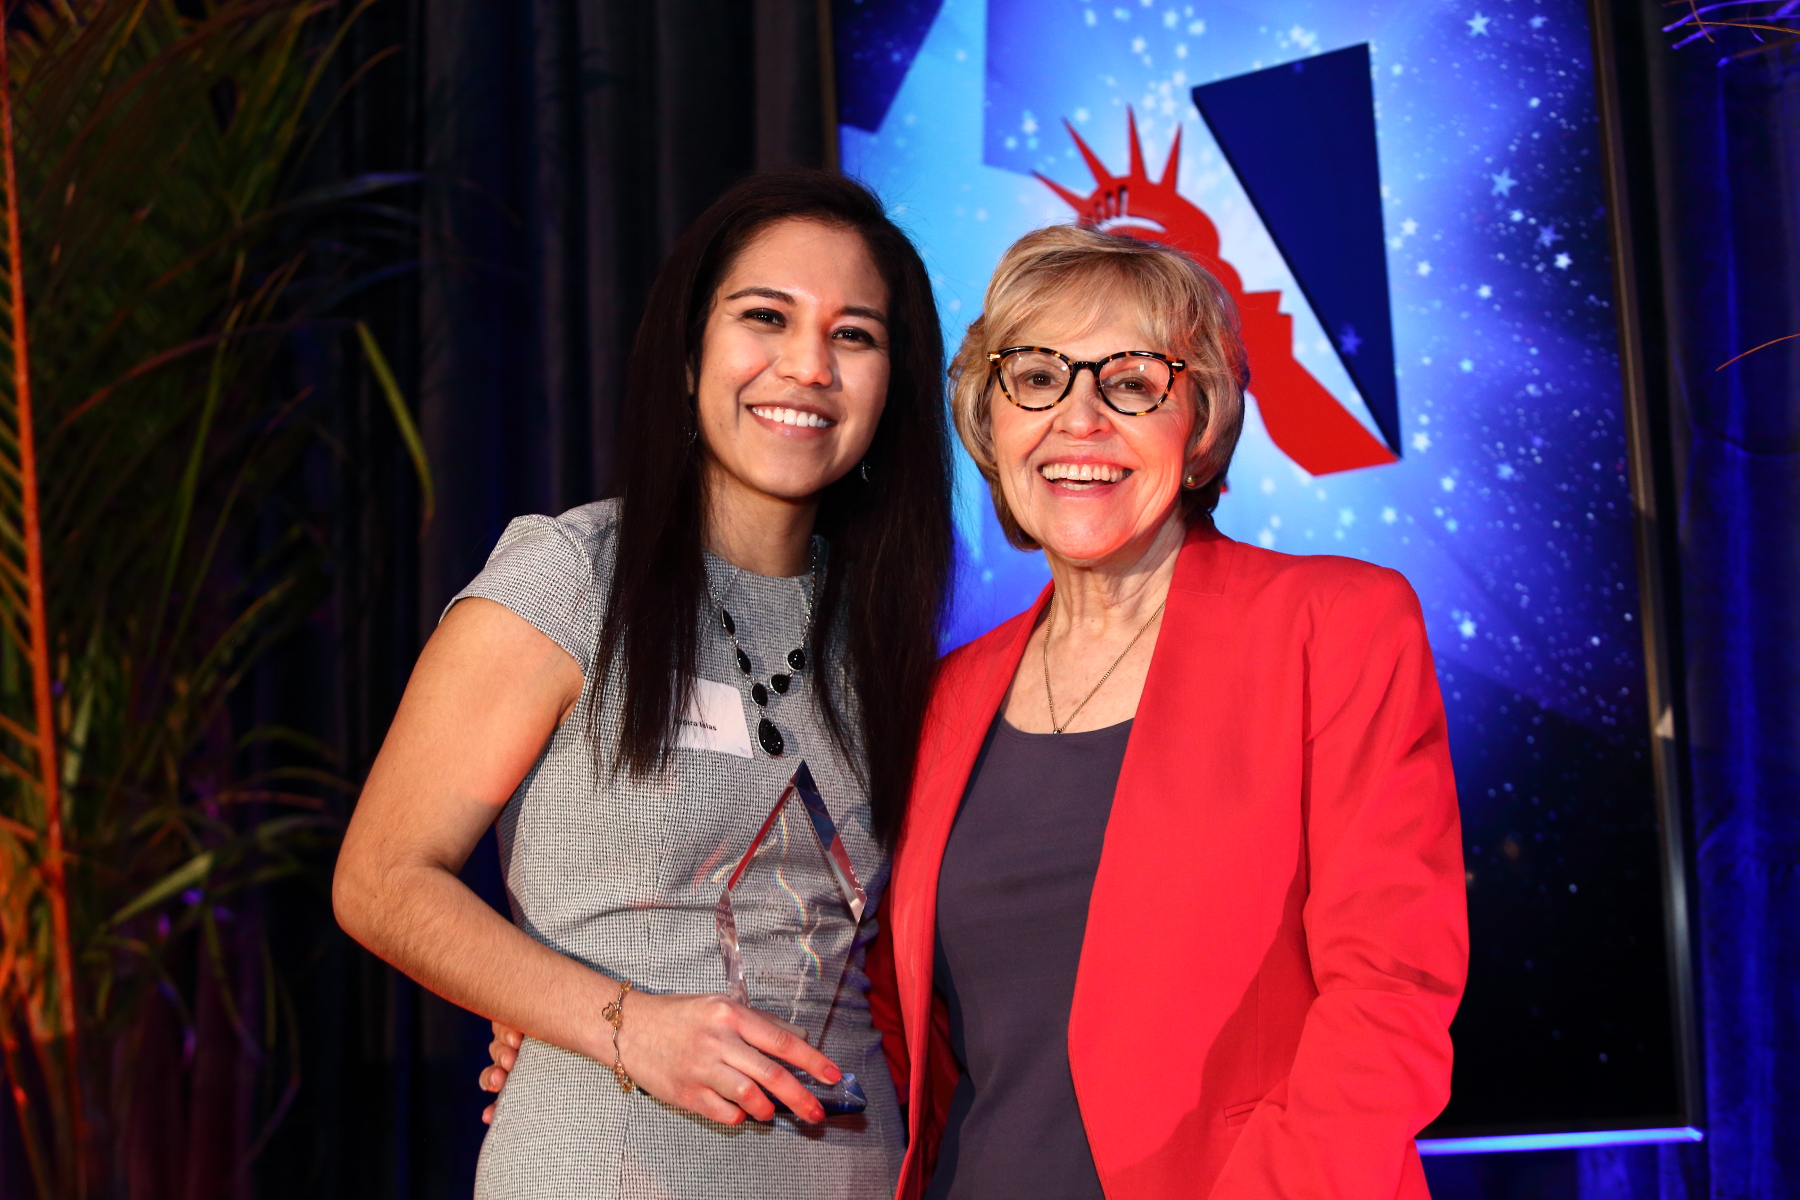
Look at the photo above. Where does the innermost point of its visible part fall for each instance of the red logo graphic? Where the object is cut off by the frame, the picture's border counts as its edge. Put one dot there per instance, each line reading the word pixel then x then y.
pixel 1302 417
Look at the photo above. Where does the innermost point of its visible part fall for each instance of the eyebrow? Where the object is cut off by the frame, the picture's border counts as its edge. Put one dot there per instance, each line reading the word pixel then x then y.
pixel 849 310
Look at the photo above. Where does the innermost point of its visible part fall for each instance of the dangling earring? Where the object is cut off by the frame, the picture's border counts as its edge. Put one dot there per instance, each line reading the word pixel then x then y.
pixel 865 470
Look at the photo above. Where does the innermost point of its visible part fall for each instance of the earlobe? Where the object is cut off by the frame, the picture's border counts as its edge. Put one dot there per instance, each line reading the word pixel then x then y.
pixel 1193 477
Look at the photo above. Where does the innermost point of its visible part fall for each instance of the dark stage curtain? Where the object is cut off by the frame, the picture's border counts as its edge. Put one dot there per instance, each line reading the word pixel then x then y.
pixel 1721 127
pixel 581 138
pixel 1712 140
pixel 565 144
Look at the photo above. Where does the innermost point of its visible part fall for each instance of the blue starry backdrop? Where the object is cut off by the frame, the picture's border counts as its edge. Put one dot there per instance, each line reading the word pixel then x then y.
pixel 1509 510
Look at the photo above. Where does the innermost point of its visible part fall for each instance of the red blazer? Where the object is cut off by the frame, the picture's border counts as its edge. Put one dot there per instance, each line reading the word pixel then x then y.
pixel 1277 938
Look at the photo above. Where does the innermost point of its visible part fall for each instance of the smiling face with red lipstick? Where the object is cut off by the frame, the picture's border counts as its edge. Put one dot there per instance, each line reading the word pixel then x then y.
pixel 1100 393
pixel 1087 482
pixel 793 368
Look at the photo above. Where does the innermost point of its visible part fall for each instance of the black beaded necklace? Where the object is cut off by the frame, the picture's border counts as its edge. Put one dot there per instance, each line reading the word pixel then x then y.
pixel 766 733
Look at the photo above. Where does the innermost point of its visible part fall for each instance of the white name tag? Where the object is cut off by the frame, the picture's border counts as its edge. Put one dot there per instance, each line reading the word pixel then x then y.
pixel 715 720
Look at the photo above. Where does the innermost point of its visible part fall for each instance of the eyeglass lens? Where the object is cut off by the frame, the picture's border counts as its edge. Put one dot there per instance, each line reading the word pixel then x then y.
pixel 1037 380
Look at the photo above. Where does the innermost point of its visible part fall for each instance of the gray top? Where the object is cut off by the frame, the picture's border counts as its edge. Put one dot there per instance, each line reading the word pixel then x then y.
pixel 1012 912
pixel 623 873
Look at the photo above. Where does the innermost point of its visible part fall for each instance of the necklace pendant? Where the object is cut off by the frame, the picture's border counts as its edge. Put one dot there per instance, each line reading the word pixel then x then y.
pixel 770 737
pixel 743 661
pixel 727 622
pixel 797 659
pixel 760 694
pixel 780 683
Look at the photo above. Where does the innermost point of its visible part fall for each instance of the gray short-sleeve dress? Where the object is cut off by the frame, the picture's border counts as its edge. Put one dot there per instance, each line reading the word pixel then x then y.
pixel 622 873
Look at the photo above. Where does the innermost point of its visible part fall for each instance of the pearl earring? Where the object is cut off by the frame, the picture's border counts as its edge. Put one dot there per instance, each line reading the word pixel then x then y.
pixel 1191 482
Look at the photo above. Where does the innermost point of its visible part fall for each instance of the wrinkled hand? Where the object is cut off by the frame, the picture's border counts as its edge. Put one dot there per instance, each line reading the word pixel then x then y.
pixel 706 1054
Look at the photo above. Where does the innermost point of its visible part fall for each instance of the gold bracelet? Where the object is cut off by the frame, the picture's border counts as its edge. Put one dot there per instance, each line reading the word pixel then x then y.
pixel 614 1014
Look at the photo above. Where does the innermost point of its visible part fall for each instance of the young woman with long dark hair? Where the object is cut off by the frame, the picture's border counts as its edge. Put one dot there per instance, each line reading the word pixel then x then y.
pixel 629 687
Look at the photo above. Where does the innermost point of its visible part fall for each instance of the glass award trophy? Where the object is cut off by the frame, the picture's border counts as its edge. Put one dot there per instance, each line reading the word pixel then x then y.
pixel 770 967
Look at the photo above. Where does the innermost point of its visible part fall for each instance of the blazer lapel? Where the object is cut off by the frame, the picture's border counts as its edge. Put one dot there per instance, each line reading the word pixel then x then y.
pixel 1153 951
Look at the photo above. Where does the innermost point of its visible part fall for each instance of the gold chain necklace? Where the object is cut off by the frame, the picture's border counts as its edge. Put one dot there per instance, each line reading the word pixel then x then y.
pixel 1049 611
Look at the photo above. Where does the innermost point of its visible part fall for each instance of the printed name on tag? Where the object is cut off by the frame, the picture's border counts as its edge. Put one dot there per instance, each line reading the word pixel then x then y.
pixel 715 720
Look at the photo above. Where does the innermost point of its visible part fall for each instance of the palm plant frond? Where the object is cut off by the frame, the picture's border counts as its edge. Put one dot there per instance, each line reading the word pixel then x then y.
pixel 158 254
pixel 26 554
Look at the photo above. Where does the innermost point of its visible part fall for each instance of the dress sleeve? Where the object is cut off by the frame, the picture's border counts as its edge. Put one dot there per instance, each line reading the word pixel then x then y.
pixel 1385 915
pixel 541 570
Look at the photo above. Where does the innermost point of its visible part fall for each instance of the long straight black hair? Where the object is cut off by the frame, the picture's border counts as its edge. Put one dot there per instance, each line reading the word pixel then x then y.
pixel 889 535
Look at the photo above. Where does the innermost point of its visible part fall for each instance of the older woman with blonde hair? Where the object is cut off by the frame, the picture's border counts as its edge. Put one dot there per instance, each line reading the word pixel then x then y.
pixel 1178 905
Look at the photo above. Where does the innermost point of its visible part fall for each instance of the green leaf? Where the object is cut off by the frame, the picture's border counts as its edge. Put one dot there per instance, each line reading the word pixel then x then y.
pixel 193 871
pixel 409 432
pixel 283 734
pixel 347 189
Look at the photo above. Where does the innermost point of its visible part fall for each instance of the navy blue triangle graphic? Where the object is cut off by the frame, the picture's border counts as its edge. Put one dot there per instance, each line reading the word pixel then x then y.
pixel 1301 138
pixel 874 46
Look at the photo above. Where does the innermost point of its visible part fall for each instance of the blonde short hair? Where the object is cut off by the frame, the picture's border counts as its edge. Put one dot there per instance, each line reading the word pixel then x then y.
pixel 1177 301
